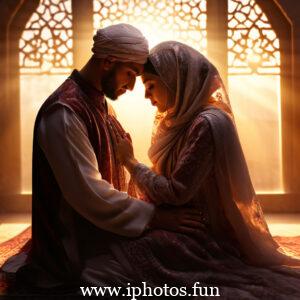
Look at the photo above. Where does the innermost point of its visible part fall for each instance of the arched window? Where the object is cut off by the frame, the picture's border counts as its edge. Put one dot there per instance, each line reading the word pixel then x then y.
pixel 253 68
pixel 254 87
pixel 46 58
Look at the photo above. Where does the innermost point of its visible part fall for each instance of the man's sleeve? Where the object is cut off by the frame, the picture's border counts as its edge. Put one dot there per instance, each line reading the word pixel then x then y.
pixel 64 140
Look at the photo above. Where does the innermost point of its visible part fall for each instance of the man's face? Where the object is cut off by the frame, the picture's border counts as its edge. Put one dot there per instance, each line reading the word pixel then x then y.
pixel 120 78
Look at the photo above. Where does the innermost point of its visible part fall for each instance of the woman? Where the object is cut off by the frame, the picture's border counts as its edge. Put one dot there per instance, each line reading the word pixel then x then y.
pixel 198 162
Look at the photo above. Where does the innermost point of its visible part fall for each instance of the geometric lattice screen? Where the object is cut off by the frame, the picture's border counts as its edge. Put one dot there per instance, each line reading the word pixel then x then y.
pixel 46 43
pixel 159 20
pixel 46 57
pixel 253 46
pixel 254 86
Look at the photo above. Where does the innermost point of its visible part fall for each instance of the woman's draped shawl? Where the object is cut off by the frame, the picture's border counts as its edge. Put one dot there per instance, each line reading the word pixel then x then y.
pixel 198 89
pixel 237 195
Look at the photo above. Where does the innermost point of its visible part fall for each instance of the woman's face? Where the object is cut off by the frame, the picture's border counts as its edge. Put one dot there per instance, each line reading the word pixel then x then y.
pixel 157 92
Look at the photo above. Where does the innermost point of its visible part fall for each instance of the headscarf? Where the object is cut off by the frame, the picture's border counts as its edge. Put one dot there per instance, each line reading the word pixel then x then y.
pixel 198 89
pixel 194 82
pixel 122 41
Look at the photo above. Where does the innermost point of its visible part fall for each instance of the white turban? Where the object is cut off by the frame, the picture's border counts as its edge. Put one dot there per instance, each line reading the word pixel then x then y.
pixel 122 41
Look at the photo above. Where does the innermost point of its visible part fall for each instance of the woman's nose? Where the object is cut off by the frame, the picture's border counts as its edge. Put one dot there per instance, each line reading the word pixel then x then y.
pixel 147 94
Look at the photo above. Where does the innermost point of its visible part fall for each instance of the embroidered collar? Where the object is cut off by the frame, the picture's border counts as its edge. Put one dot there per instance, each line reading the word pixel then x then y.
pixel 94 96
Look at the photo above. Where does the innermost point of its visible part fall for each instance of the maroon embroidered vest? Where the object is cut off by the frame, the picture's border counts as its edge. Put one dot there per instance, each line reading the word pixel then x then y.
pixel 60 236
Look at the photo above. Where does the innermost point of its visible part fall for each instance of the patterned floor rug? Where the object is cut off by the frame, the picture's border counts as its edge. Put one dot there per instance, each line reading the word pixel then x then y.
pixel 291 246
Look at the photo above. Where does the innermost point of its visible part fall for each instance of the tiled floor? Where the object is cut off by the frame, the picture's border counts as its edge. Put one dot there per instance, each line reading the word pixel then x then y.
pixel 279 224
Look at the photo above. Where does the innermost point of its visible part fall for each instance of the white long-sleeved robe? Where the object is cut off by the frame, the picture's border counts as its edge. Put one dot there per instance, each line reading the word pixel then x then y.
pixel 64 140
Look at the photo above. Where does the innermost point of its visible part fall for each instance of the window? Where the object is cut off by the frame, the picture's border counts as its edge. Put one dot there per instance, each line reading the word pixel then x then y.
pixel 254 87
pixel 45 60
pixel 254 64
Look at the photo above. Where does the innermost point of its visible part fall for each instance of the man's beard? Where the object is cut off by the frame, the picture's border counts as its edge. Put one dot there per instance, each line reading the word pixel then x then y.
pixel 109 85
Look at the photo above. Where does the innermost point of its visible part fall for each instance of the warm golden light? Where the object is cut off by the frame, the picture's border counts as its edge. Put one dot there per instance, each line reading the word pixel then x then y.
pixel 254 88
pixel 256 105
pixel 253 67
pixel 159 21
pixel 133 110
pixel 34 89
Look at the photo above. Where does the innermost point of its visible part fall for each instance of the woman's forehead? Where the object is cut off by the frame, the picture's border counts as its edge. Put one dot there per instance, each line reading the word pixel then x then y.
pixel 148 76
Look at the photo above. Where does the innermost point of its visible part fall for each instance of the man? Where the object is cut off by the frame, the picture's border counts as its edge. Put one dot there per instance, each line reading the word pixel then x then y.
pixel 79 204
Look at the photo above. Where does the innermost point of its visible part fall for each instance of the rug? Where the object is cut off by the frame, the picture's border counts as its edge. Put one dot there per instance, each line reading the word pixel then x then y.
pixel 11 247
pixel 291 246
pixel 14 245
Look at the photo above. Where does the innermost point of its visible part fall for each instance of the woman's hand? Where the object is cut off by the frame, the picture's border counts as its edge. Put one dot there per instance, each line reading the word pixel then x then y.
pixel 123 146
pixel 124 149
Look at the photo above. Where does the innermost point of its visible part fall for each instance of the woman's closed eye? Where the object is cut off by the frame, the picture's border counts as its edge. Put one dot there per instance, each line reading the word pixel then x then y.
pixel 150 87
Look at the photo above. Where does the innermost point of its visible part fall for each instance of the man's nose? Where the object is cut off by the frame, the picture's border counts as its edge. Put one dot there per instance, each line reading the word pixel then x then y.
pixel 131 83
pixel 147 94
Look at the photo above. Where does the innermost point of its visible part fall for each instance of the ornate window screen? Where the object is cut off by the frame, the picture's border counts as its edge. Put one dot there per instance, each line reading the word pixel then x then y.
pixel 253 46
pixel 159 20
pixel 46 42
pixel 254 64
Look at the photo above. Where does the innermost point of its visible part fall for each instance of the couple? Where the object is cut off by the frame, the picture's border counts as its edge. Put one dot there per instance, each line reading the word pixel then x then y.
pixel 192 217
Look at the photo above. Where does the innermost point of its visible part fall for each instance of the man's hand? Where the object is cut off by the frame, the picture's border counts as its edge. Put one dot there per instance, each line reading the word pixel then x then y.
pixel 178 219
